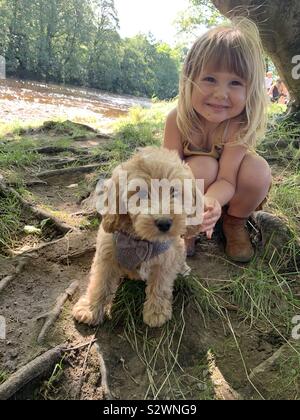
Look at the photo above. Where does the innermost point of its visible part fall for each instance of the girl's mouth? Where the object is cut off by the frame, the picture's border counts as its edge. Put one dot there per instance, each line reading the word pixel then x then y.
pixel 218 107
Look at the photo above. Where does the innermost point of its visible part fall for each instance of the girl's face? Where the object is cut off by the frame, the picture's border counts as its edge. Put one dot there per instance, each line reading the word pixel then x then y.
pixel 219 96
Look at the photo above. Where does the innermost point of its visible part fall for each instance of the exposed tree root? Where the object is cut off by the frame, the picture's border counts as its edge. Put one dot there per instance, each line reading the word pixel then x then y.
pixel 104 384
pixel 59 172
pixel 34 369
pixel 273 229
pixel 267 365
pixel 29 183
pixel 74 255
pixel 4 282
pixel 82 376
pixel 37 249
pixel 51 317
pixel 53 150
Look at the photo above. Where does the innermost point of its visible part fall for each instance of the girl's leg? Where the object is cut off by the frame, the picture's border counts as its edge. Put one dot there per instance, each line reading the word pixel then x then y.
pixel 206 168
pixel 253 183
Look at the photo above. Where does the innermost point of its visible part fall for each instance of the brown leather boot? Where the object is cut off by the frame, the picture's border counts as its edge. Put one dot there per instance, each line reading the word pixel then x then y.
pixel 238 245
pixel 190 244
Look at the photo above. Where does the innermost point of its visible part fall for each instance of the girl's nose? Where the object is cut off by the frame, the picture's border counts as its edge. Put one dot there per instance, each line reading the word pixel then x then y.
pixel 221 92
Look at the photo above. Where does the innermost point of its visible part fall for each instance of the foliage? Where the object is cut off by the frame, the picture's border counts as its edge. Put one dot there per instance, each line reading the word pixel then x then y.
pixel 200 13
pixel 77 42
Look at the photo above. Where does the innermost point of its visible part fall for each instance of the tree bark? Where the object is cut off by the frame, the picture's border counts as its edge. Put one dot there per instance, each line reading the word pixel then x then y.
pixel 279 26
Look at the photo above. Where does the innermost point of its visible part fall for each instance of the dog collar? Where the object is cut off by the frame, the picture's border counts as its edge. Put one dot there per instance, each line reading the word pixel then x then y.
pixel 132 251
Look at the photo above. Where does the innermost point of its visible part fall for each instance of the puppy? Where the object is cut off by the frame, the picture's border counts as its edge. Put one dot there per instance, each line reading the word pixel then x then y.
pixel 138 243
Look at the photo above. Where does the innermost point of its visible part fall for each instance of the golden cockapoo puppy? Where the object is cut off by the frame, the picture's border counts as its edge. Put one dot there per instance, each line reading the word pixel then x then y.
pixel 144 241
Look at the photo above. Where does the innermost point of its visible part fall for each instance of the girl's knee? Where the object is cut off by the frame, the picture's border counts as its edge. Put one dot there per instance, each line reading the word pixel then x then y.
pixel 204 167
pixel 255 172
pixel 263 171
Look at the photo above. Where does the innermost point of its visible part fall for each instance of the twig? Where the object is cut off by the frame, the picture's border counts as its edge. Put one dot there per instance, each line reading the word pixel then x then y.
pixel 81 379
pixel 4 282
pixel 52 316
pixel 104 384
pixel 34 369
pixel 122 360
pixel 80 346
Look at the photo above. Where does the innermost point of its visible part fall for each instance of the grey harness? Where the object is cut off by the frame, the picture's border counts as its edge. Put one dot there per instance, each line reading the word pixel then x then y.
pixel 131 251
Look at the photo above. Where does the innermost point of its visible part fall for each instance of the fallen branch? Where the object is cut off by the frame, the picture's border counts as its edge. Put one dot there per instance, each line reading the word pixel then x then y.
pixel 59 172
pixel 4 282
pixel 34 369
pixel 51 317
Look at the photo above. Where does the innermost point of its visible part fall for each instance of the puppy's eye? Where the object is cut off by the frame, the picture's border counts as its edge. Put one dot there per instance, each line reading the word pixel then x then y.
pixel 142 194
pixel 174 192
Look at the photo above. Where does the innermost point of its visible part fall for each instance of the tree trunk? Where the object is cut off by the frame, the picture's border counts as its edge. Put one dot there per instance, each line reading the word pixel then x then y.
pixel 279 25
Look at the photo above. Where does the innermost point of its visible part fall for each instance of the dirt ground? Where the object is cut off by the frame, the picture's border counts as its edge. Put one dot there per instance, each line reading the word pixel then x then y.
pixel 211 362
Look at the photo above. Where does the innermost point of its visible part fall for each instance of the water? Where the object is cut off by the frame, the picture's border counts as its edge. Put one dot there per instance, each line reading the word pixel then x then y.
pixel 31 101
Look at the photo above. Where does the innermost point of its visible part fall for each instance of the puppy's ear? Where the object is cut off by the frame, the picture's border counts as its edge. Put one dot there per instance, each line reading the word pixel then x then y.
pixel 115 219
pixel 110 222
pixel 196 217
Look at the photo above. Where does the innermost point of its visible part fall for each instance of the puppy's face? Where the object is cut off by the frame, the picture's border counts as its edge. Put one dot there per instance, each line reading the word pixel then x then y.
pixel 159 188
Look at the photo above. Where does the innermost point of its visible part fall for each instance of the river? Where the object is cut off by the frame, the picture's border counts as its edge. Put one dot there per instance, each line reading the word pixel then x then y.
pixel 28 102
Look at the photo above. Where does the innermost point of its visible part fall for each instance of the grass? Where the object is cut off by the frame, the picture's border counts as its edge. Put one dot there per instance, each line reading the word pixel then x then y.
pixel 10 213
pixel 51 386
pixel 17 154
pixel 285 200
pixel 3 377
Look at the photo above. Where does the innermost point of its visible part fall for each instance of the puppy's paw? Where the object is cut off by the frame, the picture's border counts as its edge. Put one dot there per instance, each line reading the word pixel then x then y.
pixel 156 316
pixel 185 270
pixel 84 313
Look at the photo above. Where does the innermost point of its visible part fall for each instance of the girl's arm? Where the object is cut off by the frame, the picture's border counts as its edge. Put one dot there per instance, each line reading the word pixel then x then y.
pixel 224 187
pixel 172 136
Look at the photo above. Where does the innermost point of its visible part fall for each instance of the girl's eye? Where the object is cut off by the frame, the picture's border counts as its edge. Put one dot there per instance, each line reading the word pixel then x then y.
pixel 236 83
pixel 209 79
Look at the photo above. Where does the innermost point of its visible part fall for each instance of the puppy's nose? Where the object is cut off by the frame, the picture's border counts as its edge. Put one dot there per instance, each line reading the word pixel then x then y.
pixel 164 225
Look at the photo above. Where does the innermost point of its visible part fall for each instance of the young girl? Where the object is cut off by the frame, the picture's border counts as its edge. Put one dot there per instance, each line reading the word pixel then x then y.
pixel 221 113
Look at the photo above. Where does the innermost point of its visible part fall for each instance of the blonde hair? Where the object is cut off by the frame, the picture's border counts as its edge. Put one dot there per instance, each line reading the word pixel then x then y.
pixel 234 47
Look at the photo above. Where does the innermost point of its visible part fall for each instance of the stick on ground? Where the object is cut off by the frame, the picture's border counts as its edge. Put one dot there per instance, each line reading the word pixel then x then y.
pixel 4 282
pixel 34 369
pixel 51 317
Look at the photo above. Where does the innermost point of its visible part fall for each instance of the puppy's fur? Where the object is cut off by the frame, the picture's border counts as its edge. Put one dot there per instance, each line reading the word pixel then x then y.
pixel 160 271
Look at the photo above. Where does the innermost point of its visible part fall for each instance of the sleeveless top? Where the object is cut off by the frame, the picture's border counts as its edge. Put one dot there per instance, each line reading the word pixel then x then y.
pixel 216 148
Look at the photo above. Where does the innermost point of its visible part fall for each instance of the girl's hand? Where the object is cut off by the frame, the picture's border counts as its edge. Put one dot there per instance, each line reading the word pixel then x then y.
pixel 212 213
